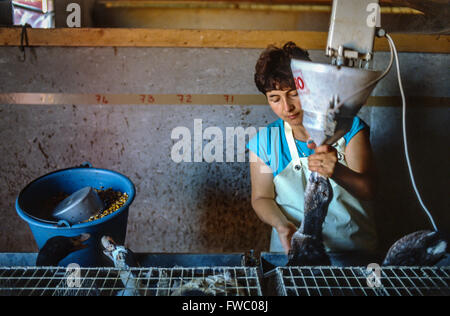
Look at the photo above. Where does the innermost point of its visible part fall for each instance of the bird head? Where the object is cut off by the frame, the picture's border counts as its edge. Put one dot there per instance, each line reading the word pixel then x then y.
pixel 307 251
pixel 119 255
pixel 59 247
pixel 108 243
pixel 422 248
pixel 77 242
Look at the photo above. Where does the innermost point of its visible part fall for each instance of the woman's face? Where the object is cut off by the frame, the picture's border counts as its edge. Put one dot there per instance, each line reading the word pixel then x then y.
pixel 286 105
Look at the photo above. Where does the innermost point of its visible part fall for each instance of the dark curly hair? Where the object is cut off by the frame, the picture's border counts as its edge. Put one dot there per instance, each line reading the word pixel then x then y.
pixel 273 68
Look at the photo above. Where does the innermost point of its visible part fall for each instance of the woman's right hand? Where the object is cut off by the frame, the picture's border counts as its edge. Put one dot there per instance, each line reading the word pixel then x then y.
pixel 285 233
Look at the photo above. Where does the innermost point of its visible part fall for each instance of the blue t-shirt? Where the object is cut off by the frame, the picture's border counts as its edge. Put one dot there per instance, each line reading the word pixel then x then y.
pixel 271 146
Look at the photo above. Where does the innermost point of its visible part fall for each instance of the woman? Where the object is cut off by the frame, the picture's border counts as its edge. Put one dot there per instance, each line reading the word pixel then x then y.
pixel 278 185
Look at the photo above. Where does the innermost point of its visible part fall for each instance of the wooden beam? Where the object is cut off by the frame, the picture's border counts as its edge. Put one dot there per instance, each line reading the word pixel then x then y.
pixel 119 37
pixel 292 6
pixel 416 4
pixel 313 2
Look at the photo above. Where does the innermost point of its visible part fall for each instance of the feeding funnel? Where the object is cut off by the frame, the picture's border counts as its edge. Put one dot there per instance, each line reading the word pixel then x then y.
pixel 321 88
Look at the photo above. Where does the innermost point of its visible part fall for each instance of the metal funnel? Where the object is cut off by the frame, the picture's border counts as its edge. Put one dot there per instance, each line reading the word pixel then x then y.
pixel 321 88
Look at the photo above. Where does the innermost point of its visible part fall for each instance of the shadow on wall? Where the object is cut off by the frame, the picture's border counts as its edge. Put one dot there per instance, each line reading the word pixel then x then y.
pixel 398 211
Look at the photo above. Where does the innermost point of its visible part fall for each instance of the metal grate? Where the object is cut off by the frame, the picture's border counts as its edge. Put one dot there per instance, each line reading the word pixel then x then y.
pixel 334 281
pixel 57 281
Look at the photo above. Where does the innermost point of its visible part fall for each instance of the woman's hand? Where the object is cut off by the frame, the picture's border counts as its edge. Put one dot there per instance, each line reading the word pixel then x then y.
pixel 323 161
pixel 285 233
pixel 359 176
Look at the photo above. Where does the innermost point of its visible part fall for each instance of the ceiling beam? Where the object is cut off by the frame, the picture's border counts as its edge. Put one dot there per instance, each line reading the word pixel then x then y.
pixel 119 37
pixel 399 3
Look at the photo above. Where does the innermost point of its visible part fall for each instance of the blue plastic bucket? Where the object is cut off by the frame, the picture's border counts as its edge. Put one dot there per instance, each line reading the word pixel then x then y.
pixel 30 205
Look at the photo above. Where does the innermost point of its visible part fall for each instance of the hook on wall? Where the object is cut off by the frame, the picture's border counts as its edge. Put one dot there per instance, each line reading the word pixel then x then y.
pixel 24 38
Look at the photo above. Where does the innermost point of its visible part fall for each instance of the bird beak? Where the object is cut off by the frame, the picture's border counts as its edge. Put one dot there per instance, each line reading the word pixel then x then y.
pixel 78 241
pixel 108 243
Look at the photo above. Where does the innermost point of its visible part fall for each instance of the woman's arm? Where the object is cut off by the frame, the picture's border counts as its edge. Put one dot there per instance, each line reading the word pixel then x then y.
pixel 263 201
pixel 359 178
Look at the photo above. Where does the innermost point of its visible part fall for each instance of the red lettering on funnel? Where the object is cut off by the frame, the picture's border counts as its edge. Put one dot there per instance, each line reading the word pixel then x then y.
pixel 300 83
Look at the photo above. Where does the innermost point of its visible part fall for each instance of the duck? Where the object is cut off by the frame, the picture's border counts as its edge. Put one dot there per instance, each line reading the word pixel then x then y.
pixel 123 259
pixel 307 248
pixel 222 284
pixel 419 249
pixel 59 247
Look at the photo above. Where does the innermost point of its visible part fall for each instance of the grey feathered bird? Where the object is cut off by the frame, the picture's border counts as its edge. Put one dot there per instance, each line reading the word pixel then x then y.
pixel 307 247
pixel 59 247
pixel 123 259
pixel 222 284
pixel 422 248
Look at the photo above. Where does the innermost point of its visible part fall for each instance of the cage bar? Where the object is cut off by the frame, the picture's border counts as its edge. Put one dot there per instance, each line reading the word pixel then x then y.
pixel 355 281
pixel 54 281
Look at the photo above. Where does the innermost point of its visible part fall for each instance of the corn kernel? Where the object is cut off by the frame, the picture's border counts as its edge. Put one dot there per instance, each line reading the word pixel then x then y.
pixel 114 200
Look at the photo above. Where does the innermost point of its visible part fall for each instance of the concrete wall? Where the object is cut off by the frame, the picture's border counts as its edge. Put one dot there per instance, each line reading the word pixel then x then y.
pixel 196 207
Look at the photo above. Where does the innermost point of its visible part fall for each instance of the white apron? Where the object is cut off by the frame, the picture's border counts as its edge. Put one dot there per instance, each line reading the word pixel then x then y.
pixel 348 226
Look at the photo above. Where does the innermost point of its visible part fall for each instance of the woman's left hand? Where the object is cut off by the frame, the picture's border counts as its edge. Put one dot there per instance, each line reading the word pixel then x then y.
pixel 323 161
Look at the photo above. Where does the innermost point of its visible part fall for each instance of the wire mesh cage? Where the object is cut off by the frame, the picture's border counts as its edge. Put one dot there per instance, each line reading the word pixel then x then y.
pixel 354 281
pixel 59 281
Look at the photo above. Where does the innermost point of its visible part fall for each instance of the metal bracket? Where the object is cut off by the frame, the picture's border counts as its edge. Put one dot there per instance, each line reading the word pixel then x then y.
pixel 332 112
